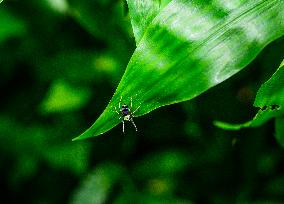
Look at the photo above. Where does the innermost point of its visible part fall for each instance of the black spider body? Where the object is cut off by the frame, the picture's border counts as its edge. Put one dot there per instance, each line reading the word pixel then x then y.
pixel 125 110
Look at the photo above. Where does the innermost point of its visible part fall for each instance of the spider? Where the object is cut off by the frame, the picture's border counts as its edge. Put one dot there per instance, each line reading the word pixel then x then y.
pixel 125 113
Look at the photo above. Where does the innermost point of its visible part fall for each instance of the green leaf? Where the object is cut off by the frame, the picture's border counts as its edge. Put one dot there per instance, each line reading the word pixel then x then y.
pixel 142 13
pixel 190 47
pixel 270 100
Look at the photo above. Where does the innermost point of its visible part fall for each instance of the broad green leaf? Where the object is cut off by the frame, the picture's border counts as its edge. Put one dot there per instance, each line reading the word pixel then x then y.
pixel 190 47
pixel 142 13
pixel 270 100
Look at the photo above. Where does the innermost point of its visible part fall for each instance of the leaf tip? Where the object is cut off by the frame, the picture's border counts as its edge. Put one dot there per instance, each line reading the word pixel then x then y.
pixel 84 135
pixel 76 139
pixel 90 132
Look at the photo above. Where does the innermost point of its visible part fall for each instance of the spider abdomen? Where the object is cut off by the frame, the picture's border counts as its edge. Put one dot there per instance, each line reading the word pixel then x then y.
pixel 127 117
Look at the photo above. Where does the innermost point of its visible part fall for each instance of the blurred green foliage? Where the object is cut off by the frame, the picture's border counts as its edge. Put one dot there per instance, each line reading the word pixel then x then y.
pixel 60 62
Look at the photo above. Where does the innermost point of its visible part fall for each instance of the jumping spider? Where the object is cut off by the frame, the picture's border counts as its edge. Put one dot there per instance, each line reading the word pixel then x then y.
pixel 126 113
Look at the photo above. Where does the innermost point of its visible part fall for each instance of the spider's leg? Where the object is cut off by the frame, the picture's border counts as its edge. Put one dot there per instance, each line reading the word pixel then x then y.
pixel 120 102
pixel 131 102
pixel 136 109
pixel 132 121
pixel 116 110
pixel 123 126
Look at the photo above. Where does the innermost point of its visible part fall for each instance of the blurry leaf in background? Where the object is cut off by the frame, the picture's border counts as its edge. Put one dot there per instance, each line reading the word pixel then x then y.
pixel 29 139
pixel 114 30
pixel 11 25
pixel 229 126
pixel 107 63
pixel 270 100
pixel 59 5
pixel 74 66
pixel 69 156
pixel 62 97
pixel 158 173
pixel 30 145
pixel 190 47
pixel 81 66
pixel 163 164
pixel 91 15
pixel 97 186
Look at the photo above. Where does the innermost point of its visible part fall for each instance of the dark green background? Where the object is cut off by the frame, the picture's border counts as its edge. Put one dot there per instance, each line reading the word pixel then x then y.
pixel 59 66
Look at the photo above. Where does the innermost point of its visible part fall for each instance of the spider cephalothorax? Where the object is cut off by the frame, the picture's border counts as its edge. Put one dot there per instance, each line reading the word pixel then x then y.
pixel 125 113
pixel 124 110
